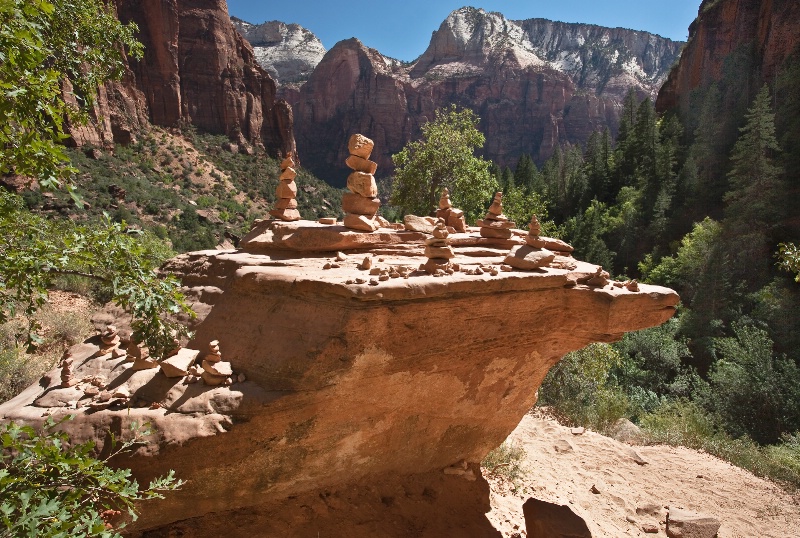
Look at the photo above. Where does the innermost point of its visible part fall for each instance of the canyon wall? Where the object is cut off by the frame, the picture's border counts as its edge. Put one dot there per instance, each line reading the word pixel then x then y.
pixel 769 28
pixel 196 70
pixel 535 84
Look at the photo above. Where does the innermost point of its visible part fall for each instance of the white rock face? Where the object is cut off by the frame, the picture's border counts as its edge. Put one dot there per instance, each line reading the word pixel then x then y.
pixel 288 52
pixel 594 57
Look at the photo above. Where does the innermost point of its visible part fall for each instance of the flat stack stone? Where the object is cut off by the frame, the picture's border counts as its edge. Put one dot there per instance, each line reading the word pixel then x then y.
pixel 452 217
pixel 437 249
pixel 361 204
pixel 495 224
pixel 286 193
pixel 178 364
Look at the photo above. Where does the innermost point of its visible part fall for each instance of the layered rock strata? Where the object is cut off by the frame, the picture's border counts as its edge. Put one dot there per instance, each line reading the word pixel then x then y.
pixel 353 389
pixel 361 204
pixel 286 193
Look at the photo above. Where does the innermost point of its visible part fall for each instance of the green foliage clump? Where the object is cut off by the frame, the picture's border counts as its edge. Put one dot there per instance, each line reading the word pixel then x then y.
pixel 506 462
pixel 42 43
pixel 579 391
pixel 34 250
pixel 444 158
pixel 51 489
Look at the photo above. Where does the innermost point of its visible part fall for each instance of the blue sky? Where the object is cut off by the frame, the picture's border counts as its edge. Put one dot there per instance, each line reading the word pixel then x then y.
pixel 402 28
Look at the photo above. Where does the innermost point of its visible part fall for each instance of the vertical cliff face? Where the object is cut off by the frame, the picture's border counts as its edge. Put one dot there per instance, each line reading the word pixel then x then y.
pixel 769 27
pixel 535 84
pixel 196 69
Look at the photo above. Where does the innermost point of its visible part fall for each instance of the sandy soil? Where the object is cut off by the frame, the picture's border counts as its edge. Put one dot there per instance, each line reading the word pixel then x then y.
pixel 746 506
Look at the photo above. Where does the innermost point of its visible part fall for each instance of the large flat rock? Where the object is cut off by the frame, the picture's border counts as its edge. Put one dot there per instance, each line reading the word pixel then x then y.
pixel 353 381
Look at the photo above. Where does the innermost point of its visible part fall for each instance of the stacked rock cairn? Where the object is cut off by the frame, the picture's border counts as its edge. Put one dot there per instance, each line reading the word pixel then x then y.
pixel 361 203
pixel 140 355
pixel 215 370
pixel 286 193
pixel 438 251
pixel 495 224
pixel 452 217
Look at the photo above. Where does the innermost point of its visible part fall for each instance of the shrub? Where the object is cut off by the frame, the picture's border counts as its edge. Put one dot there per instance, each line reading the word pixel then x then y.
pixel 50 489
pixel 505 462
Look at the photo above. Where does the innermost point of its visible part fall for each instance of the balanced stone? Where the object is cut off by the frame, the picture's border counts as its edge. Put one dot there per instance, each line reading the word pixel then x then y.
pixel 413 223
pixel 287 162
pixel 534 227
pixel 360 164
pixel 445 252
pixel 214 354
pixel 496 223
pixel 363 184
pixel 360 146
pixel 286 189
pixel 548 242
pixel 495 233
pixel 220 368
pixel 526 257
pixel 286 203
pixel 288 175
pixel 178 365
pixel 360 205
pixel 360 222
pixel 444 200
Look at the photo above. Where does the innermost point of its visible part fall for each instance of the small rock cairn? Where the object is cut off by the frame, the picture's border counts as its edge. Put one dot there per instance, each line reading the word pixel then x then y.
pixel 361 203
pixel 495 224
pixel 438 251
pixel 140 355
pixel 286 193
pixel 215 370
pixel 452 217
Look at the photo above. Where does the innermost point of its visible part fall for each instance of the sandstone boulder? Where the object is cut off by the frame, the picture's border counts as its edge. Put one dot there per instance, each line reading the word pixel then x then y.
pixel 525 257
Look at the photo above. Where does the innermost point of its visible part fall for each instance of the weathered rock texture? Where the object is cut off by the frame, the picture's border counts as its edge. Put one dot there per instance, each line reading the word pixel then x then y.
pixel 351 384
pixel 288 52
pixel 721 27
pixel 535 84
pixel 196 69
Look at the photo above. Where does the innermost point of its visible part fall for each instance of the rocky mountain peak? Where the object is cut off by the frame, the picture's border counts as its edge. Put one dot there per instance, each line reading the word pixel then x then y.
pixel 470 36
pixel 288 52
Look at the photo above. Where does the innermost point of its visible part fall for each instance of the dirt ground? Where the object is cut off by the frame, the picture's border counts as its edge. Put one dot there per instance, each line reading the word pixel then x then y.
pixel 747 506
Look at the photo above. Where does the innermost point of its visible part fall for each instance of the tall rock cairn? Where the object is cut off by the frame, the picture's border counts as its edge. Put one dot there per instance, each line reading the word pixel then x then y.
pixel 286 193
pixel 361 203
pixel 495 224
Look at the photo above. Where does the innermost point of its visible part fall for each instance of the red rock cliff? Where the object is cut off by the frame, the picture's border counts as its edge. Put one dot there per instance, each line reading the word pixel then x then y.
pixel 196 69
pixel 722 26
pixel 535 84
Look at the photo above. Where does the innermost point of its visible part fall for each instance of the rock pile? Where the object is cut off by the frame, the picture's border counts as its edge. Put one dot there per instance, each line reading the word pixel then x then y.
pixel 109 339
pixel 452 217
pixel 215 370
pixel 361 203
pixel 140 356
pixel 495 224
pixel 530 255
pixel 438 251
pixel 67 377
pixel 286 193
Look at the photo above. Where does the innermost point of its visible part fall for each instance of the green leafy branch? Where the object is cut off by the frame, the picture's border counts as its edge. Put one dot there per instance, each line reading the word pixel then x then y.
pixel 50 489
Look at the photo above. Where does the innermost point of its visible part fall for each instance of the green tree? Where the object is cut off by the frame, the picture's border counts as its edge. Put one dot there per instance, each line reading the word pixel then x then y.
pixel 755 391
pixel 444 158
pixel 754 174
pixel 44 44
pixel 789 259
pixel 51 489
